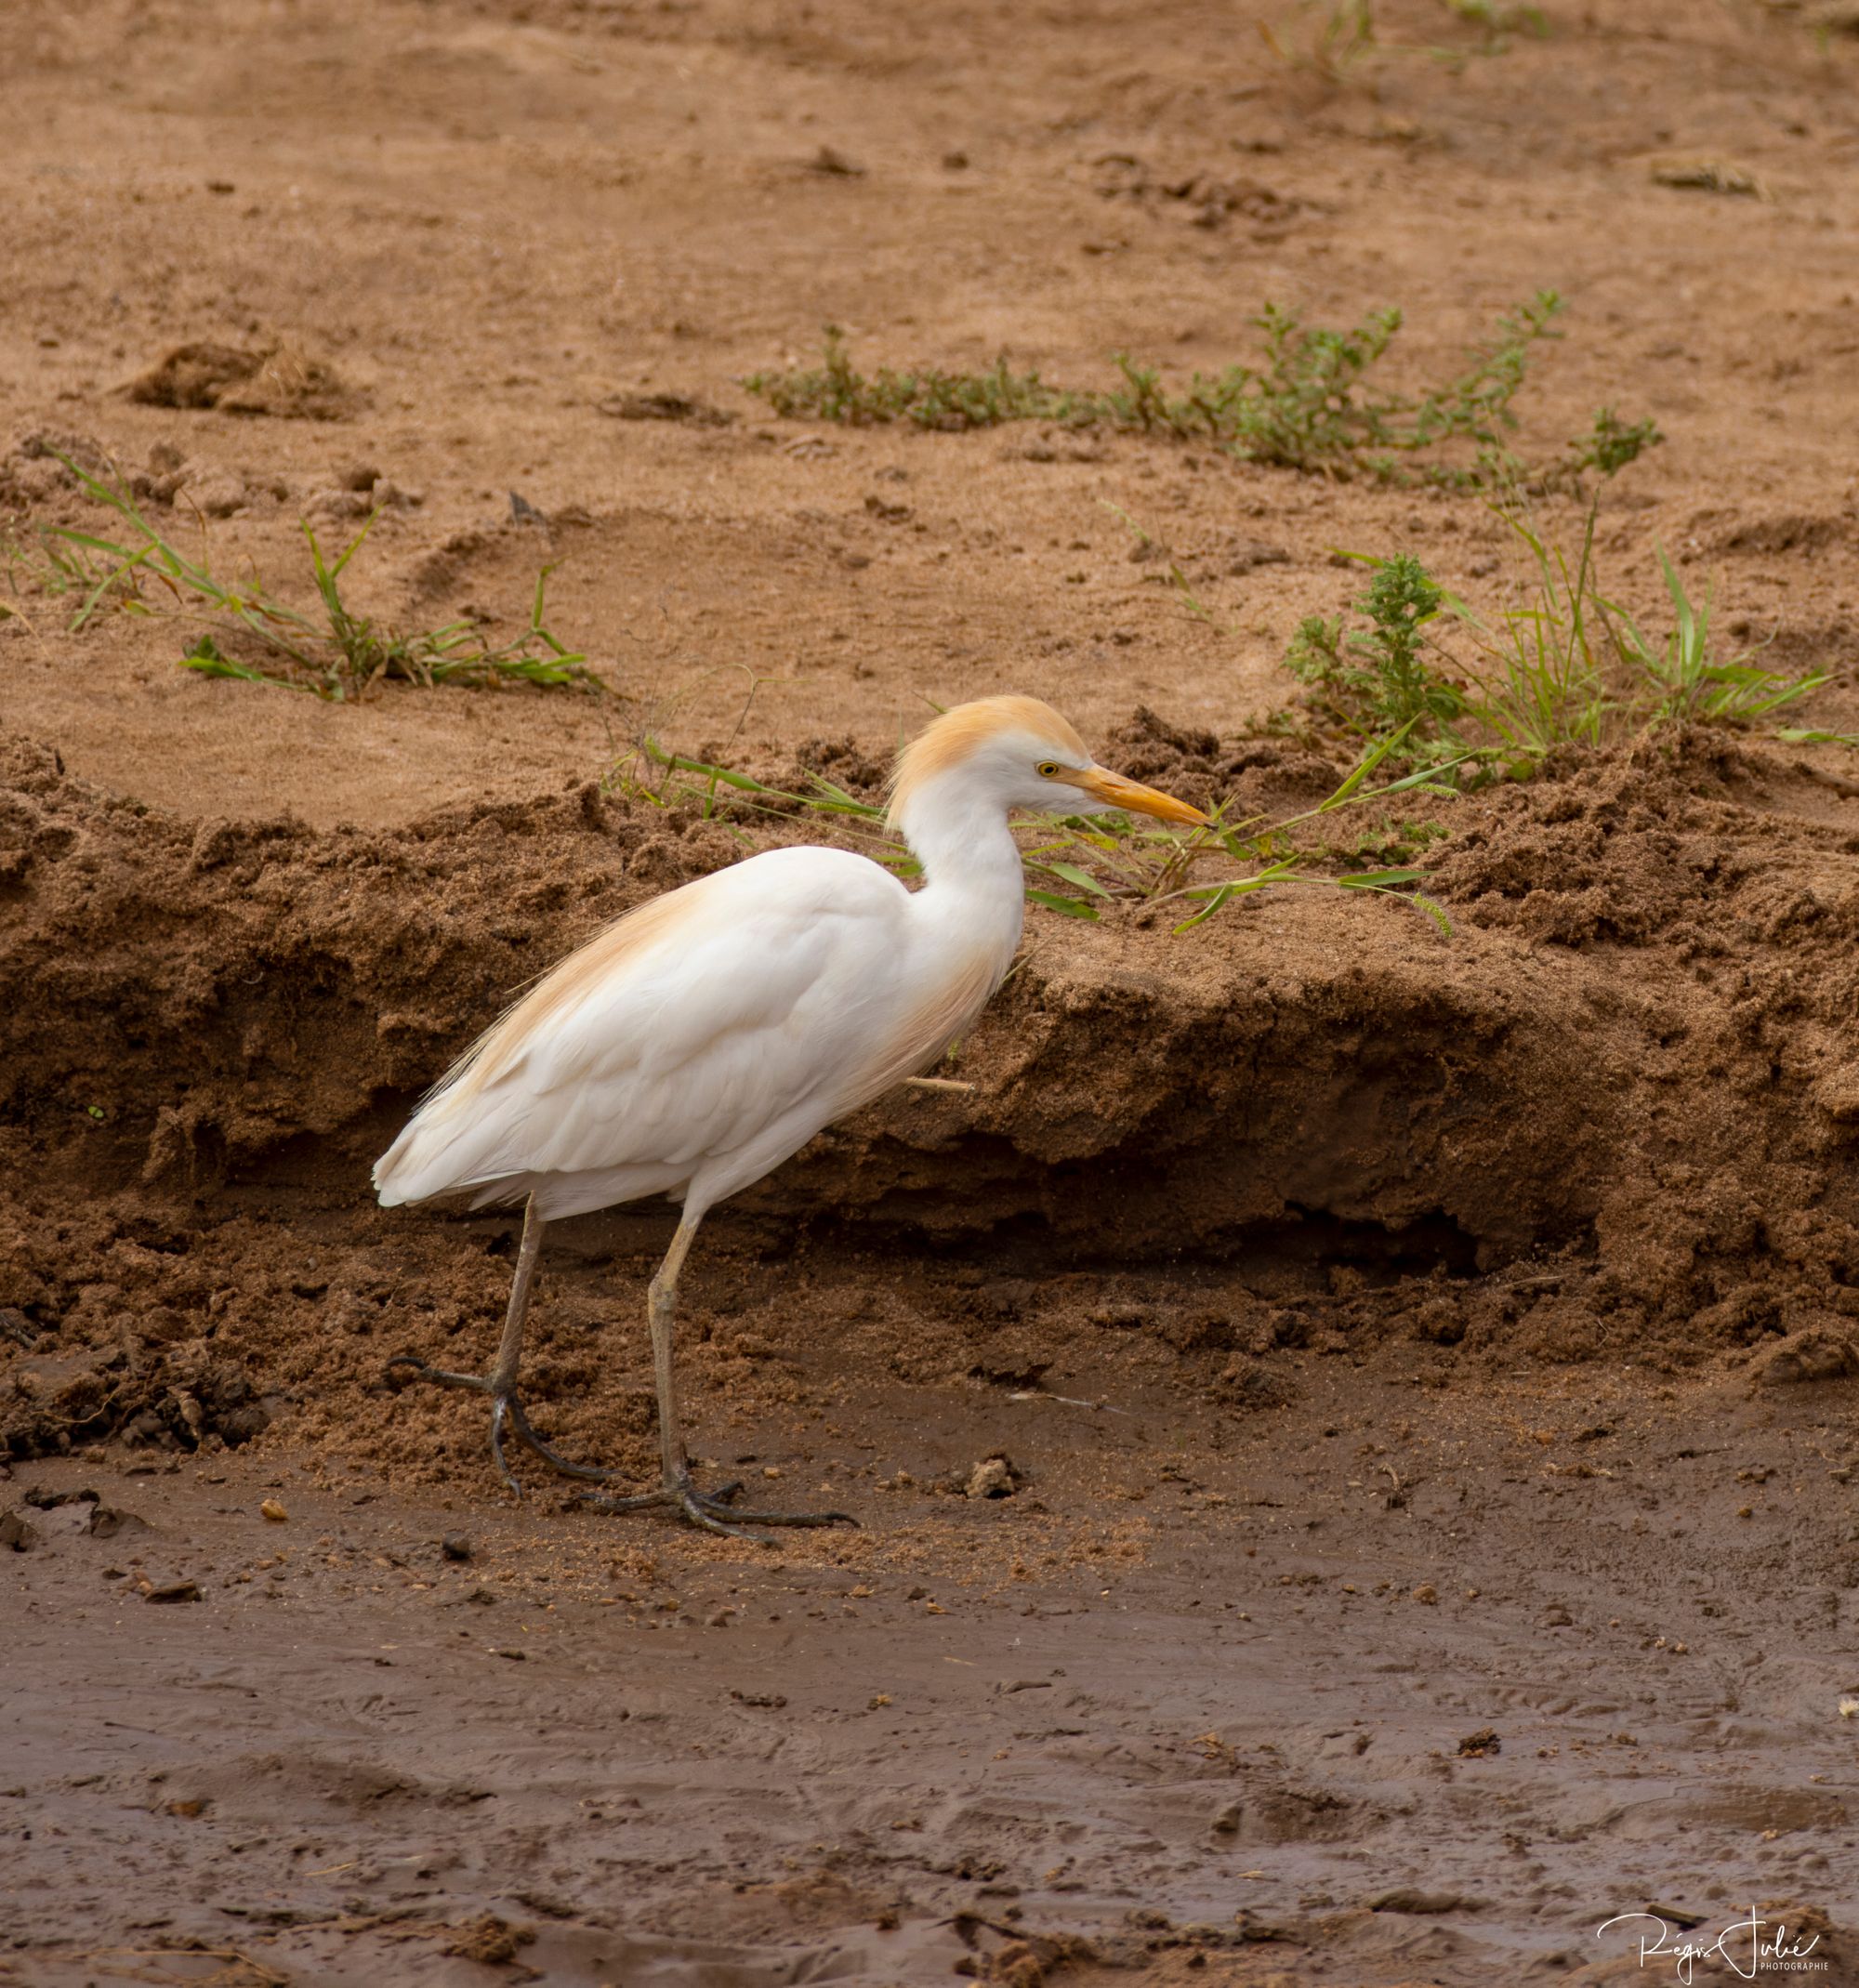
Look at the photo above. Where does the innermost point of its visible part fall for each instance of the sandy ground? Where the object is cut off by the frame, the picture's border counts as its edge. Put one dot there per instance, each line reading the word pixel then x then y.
pixel 1427 1368
pixel 495 220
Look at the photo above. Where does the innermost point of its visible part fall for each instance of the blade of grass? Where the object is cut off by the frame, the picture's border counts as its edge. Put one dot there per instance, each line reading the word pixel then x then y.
pixel 1070 907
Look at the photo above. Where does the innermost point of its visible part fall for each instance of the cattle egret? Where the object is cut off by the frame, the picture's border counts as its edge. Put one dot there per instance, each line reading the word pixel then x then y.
pixel 699 1041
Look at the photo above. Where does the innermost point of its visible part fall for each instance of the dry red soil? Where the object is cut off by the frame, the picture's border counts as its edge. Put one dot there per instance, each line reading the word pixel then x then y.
pixel 1429 1366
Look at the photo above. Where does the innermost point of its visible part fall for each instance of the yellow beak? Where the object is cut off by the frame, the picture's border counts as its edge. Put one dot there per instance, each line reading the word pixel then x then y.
pixel 1133 797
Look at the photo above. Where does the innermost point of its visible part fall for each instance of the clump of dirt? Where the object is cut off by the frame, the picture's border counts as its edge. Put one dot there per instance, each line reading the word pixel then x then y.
pixel 1619 1110
pixel 846 762
pixel 32 476
pixel 278 379
pixel 1205 198
pixel 1258 777
pixel 665 407
pixel 196 375
pixel 495 1942
pixel 1709 846
pixel 163 1398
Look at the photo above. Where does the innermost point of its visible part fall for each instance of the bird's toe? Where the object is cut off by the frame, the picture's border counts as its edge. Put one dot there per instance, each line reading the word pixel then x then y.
pixel 406 1367
pixel 711 1501
pixel 700 1511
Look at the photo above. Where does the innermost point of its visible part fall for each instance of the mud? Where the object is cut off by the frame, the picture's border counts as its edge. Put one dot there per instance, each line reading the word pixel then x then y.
pixel 1354 1429
pixel 1445 1683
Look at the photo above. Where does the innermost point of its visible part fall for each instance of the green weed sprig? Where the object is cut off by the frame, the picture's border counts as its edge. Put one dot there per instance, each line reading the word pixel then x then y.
pixel 1563 666
pixel 1311 405
pixel 244 631
pixel 1325 38
pixel 1379 682
pixel 1075 865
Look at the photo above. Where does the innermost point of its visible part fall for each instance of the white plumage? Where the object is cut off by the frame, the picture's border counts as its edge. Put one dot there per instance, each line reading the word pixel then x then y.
pixel 701 1047
pixel 701 1040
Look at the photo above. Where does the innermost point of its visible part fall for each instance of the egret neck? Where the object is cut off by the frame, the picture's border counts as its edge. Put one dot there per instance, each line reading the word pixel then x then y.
pixel 974 889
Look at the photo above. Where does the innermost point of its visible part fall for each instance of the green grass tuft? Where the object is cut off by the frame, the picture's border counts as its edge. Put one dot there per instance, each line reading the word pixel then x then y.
pixel 1498 20
pixel 1563 666
pixel 1324 38
pixel 1682 683
pixel 1077 866
pixel 240 630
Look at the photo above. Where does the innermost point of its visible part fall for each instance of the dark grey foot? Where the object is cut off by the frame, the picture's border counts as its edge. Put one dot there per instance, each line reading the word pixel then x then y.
pixel 506 1412
pixel 714 1511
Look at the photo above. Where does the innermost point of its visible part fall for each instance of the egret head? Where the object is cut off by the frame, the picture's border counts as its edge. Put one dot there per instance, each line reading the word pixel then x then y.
pixel 1015 752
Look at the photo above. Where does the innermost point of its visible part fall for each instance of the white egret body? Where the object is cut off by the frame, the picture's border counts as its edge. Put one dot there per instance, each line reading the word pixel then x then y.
pixel 701 1040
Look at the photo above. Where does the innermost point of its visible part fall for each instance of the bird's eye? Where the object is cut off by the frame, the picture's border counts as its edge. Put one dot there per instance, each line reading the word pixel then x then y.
pixel 1049 770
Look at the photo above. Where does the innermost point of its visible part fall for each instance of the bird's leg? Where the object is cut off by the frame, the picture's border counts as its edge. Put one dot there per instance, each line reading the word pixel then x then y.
pixel 712 1510
pixel 500 1384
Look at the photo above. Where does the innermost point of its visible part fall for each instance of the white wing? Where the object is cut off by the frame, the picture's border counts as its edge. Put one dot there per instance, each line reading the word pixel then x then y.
pixel 681 1034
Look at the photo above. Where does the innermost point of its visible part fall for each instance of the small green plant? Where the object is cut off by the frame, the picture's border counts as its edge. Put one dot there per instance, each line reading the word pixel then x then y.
pixel 242 630
pixel 1278 861
pixel 1310 405
pixel 1682 683
pixel 1378 681
pixel 1611 443
pixel 1563 666
pixel 1498 20
pixel 928 397
pixel 1325 38
pixel 1395 841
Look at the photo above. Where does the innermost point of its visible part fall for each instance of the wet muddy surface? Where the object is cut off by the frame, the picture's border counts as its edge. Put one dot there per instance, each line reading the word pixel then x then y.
pixel 1387 1686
